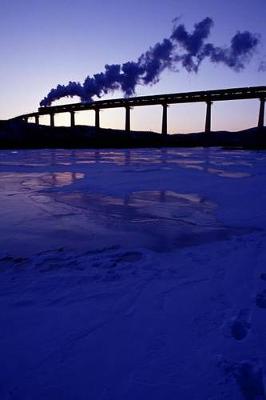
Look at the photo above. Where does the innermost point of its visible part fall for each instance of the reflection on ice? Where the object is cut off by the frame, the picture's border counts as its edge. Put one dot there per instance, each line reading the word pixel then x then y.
pixel 53 179
pixel 155 198
pixel 159 220
pixel 199 159
pixel 129 157
pixel 228 174
pixel 140 206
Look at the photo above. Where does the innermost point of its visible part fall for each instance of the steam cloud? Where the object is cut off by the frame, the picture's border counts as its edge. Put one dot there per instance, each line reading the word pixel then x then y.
pixel 181 48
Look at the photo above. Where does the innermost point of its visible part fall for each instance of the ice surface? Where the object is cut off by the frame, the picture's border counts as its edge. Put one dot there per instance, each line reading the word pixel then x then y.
pixel 132 274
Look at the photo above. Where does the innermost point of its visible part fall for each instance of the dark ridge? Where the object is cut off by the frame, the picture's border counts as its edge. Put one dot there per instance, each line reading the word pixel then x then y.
pixel 22 135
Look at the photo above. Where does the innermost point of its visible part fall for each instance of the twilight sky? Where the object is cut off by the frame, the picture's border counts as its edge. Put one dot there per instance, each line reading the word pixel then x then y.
pixel 44 43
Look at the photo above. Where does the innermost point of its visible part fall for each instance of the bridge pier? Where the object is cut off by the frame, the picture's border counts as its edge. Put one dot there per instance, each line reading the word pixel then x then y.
pixel 72 119
pixel 164 119
pixel 127 124
pixel 37 119
pixel 52 120
pixel 261 114
pixel 97 118
pixel 208 117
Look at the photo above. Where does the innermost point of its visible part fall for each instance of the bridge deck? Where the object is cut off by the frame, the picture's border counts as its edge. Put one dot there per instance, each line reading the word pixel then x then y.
pixel 257 92
pixel 187 97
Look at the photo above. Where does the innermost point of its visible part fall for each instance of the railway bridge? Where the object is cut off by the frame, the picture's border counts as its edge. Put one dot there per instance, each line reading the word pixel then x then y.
pixel 208 97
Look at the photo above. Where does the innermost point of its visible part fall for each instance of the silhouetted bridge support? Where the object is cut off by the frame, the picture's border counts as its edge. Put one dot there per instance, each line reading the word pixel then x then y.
pixel 127 122
pixel 208 117
pixel 164 119
pixel 52 120
pixel 165 100
pixel 97 118
pixel 72 119
pixel 261 114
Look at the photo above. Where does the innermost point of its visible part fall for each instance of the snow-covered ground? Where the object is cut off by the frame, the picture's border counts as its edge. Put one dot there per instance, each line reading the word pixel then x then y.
pixel 133 274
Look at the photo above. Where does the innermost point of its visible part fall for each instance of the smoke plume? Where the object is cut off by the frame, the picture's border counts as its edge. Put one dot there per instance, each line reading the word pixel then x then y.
pixel 182 48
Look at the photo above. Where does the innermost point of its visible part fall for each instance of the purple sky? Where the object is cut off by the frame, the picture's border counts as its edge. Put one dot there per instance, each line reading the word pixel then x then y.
pixel 51 42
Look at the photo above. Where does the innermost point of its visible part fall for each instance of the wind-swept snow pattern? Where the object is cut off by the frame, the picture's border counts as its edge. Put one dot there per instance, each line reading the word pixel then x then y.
pixel 133 274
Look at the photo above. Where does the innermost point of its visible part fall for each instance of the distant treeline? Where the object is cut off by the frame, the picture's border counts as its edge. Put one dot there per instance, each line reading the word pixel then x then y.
pixel 21 135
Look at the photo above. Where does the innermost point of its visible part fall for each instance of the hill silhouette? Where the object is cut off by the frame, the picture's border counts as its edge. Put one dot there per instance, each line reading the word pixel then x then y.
pixel 22 135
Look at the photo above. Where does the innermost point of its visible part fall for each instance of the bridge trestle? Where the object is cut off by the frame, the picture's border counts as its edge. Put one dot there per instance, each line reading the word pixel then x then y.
pixel 208 97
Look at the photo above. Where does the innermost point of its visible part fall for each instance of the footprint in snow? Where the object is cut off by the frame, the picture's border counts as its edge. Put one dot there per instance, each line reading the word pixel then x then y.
pixel 249 377
pixel 240 325
pixel 261 299
pixel 263 276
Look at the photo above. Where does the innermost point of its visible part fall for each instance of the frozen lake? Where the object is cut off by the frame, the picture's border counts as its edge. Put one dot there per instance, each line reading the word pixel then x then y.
pixel 132 274
pixel 156 199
